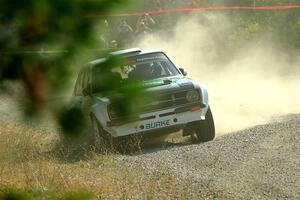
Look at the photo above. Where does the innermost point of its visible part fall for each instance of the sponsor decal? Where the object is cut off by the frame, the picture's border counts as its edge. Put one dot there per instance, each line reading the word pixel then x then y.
pixel 158 124
pixel 155 58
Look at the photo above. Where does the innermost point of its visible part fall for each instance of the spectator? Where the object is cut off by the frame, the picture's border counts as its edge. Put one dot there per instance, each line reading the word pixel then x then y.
pixel 147 20
pixel 157 5
pixel 105 35
pixel 125 33
pixel 143 29
pixel 195 3
pixel 113 44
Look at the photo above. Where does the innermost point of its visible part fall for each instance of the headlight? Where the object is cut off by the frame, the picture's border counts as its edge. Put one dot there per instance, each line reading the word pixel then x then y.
pixel 192 96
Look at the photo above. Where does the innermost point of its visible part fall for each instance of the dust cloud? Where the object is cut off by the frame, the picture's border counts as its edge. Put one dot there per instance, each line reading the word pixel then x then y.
pixel 246 88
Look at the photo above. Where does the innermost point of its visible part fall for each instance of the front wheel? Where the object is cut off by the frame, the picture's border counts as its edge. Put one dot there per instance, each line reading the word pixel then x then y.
pixel 102 140
pixel 205 130
pixel 105 143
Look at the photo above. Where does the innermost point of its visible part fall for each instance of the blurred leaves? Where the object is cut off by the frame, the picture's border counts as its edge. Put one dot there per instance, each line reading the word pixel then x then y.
pixel 51 24
pixel 29 25
pixel 32 26
pixel 13 194
pixel 73 122
pixel 16 194
pixel 124 95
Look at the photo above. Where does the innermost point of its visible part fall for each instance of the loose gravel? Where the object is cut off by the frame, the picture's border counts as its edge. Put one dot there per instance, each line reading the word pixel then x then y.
pixel 261 162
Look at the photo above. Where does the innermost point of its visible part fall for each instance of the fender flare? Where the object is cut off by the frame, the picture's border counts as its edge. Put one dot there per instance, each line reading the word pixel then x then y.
pixel 99 112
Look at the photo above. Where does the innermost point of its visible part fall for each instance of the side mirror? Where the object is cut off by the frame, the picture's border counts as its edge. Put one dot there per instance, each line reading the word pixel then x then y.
pixel 184 73
pixel 87 90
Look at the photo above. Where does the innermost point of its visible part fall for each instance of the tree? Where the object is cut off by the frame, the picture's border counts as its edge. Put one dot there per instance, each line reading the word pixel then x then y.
pixel 29 26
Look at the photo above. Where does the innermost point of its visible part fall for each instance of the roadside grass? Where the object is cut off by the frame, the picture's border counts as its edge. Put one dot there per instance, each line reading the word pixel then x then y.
pixel 30 166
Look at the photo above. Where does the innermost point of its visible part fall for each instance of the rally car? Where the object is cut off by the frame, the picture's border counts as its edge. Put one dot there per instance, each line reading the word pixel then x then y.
pixel 170 102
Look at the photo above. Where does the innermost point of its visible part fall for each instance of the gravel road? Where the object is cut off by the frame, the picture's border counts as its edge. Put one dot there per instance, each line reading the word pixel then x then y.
pixel 261 162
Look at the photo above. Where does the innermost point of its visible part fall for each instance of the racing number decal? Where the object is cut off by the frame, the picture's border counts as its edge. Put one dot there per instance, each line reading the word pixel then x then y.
pixel 158 124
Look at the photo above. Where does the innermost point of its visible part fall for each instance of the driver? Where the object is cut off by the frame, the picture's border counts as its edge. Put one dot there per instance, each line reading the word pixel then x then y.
pixel 142 71
pixel 156 69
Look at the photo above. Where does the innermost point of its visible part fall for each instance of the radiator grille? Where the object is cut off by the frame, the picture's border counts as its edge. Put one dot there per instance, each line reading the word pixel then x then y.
pixel 165 101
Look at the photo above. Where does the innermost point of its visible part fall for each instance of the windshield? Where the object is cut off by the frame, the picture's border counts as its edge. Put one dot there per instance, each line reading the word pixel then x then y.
pixel 148 67
pixel 140 67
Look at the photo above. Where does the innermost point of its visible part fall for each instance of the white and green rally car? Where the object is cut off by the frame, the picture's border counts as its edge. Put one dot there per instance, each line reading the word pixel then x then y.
pixel 176 103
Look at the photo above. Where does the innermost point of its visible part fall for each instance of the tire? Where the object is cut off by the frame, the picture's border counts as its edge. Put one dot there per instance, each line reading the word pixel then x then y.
pixel 129 144
pixel 205 130
pixel 77 147
pixel 102 140
pixel 105 143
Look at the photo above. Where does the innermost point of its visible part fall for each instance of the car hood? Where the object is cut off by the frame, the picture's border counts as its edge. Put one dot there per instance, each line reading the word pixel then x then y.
pixel 168 84
pixel 159 86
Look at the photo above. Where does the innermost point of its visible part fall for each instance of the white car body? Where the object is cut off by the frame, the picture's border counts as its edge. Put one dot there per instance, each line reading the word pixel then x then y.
pixel 165 120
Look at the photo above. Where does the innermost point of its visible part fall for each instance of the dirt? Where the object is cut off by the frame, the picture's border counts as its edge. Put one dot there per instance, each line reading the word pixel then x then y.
pixel 260 162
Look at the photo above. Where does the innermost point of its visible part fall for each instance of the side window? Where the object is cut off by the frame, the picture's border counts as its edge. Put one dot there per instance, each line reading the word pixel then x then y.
pixel 78 84
pixel 85 79
pixel 81 82
pixel 89 78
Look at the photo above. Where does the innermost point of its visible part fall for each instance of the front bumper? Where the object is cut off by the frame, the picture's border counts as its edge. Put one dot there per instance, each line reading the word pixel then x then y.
pixel 158 120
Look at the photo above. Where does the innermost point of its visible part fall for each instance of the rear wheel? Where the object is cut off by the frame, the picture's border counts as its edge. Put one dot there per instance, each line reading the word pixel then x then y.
pixel 205 130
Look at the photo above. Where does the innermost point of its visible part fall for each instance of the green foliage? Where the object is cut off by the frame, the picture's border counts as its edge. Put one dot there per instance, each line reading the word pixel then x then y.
pixel 47 24
pixel 69 25
pixel 279 26
pixel 73 122
pixel 16 194
pixel 34 25
pixel 13 194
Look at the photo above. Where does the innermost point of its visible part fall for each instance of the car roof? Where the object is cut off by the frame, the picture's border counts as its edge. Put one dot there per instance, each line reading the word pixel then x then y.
pixel 125 52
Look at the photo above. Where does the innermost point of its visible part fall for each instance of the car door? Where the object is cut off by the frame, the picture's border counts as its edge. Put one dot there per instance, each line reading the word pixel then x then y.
pixel 86 99
pixel 76 99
